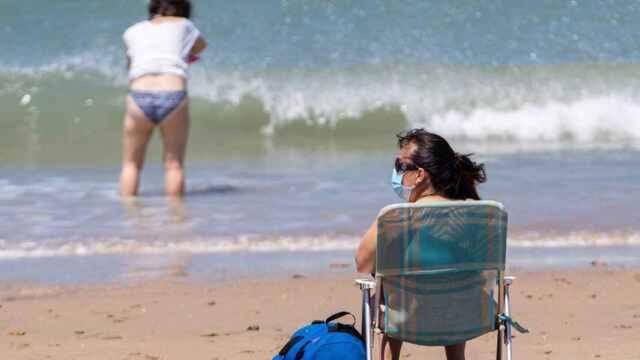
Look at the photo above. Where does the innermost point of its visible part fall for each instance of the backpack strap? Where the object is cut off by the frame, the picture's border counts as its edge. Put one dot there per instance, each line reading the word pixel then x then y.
pixel 508 320
pixel 291 343
pixel 347 329
pixel 300 353
pixel 338 315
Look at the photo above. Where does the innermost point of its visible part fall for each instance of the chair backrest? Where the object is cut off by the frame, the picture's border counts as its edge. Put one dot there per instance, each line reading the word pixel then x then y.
pixel 438 265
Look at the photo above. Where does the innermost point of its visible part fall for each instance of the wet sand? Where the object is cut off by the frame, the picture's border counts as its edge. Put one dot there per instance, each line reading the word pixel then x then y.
pixel 572 314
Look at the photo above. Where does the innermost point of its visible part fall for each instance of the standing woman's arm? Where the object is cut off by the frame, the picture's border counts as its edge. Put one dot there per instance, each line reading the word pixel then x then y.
pixel 198 46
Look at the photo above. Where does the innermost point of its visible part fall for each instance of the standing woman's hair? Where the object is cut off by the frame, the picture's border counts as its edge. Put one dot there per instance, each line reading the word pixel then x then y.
pixel 452 175
pixel 179 8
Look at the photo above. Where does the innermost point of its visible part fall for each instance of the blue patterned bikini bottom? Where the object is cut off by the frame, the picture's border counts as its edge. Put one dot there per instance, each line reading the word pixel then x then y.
pixel 157 105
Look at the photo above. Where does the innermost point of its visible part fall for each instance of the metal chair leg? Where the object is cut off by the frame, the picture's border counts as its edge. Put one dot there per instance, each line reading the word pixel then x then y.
pixel 366 286
pixel 507 311
pixel 500 309
pixel 499 343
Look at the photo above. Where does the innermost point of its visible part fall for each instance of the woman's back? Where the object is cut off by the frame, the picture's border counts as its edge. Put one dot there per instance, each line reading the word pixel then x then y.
pixel 160 47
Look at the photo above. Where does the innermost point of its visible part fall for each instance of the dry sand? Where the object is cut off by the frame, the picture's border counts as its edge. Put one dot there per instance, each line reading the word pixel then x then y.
pixel 577 314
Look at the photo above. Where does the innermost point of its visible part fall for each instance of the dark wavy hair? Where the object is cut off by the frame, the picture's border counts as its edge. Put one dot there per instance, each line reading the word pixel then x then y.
pixel 453 175
pixel 180 8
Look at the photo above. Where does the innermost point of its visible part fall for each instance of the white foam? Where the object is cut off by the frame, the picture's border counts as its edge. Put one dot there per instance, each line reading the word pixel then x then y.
pixel 514 113
pixel 259 244
pixel 574 239
pixel 69 65
pixel 29 249
pixel 25 100
pixel 607 118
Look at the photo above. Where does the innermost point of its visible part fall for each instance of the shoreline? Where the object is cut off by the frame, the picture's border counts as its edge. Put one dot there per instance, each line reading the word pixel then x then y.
pixel 224 267
pixel 585 313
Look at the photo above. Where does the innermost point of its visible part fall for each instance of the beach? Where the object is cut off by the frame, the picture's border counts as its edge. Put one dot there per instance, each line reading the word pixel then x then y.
pixel 294 111
pixel 587 313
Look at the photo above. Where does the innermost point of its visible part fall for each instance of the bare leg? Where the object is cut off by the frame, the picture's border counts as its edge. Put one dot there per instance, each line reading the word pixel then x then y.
pixel 175 133
pixel 136 134
pixel 455 352
pixel 390 349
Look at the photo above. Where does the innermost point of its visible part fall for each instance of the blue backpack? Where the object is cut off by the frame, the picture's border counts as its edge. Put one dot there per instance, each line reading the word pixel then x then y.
pixel 325 340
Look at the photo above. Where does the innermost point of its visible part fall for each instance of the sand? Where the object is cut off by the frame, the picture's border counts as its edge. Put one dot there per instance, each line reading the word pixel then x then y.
pixel 572 314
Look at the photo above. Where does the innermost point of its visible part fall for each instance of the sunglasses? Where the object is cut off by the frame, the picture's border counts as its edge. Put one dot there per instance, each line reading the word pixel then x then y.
pixel 404 167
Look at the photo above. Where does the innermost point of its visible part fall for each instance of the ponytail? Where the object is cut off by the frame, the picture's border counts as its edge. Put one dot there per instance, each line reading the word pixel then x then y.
pixel 469 173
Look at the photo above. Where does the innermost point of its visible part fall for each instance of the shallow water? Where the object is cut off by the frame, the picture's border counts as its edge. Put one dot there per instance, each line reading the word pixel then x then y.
pixel 304 201
pixel 294 110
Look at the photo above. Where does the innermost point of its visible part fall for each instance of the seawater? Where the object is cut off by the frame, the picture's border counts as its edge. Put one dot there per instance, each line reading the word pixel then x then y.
pixel 294 108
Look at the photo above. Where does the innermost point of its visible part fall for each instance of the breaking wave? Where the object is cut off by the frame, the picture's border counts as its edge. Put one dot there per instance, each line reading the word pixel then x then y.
pixel 262 244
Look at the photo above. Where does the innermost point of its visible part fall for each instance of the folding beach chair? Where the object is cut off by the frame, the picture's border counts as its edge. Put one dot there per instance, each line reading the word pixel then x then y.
pixel 440 275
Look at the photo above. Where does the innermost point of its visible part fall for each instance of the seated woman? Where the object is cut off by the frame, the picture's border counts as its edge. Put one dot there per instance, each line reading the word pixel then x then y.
pixel 426 170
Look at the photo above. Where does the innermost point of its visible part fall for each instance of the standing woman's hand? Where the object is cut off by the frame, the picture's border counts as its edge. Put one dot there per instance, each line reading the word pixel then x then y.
pixel 197 48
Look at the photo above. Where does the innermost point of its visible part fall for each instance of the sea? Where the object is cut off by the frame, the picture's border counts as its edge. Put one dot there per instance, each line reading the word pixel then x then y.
pixel 295 107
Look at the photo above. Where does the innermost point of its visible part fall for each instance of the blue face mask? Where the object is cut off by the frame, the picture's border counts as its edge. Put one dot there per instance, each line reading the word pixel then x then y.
pixel 402 191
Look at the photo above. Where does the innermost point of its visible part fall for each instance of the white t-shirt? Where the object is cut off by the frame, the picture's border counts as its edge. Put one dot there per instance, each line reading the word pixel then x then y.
pixel 160 48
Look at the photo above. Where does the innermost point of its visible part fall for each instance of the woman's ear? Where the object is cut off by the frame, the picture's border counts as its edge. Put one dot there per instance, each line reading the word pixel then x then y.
pixel 423 176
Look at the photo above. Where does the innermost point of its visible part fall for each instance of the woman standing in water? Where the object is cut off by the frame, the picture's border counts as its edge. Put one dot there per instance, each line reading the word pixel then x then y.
pixel 159 51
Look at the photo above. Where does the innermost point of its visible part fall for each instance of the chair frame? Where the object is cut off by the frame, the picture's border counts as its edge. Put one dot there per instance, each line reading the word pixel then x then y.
pixel 370 324
pixel 371 320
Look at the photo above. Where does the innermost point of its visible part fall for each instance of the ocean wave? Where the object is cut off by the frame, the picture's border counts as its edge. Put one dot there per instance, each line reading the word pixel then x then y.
pixel 261 244
pixel 86 62
pixel 29 249
pixel 499 104
pixel 574 240
pixel 598 119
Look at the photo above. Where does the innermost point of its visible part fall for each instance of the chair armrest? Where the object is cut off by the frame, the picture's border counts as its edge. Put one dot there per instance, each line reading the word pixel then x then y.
pixel 365 284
